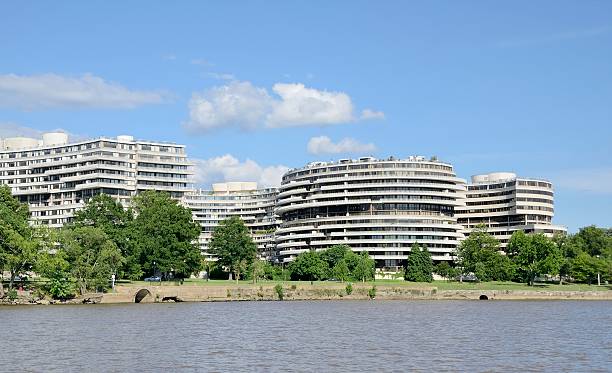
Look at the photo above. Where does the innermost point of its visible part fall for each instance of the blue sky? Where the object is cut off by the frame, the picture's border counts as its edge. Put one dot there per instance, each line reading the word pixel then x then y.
pixel 254 87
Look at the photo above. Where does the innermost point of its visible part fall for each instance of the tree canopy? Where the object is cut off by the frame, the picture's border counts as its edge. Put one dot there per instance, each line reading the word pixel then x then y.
pixel 91 255
pixel 419 266
pixel 18 239
pixel 109 215
pixel 165 235
pixel 534 255
pixel 233 246
pixel 338 262
pixel 480 254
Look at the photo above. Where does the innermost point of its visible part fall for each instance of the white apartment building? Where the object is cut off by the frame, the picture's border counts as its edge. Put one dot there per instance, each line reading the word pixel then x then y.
pixel 243 199
pixel 505 203
pixel 56 177
pixel 381 206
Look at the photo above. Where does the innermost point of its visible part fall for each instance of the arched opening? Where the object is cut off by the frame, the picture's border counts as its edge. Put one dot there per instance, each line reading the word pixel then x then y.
pixel 171 299
pixel 143 295
pixel 483 297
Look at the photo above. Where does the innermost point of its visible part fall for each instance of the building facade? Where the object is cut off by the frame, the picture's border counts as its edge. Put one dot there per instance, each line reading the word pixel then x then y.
pixel 56 177
pixel 374 205
pixel 243 199
pixel 505 203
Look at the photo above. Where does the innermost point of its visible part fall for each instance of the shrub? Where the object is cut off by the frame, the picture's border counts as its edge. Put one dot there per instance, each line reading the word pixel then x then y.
pixel 349 288
pixel 372 292
pixel 12 294
pixel 279 291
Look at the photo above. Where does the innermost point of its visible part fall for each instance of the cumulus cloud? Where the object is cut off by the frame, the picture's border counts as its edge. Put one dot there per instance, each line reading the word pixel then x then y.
pixel 324 145
pixel 299 106
pixel 237 103
pixel 229 168
pixel 241 104
pixel 32 92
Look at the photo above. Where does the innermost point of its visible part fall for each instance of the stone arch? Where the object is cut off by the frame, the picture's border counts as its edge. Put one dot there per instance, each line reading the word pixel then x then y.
pixel 483 297
pixel 143 295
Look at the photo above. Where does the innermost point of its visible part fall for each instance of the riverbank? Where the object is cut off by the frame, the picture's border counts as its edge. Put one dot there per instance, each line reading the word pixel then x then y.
pixel 331 291
pixel 224 291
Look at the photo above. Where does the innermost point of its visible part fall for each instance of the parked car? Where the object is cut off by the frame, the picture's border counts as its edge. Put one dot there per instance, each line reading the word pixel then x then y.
pixel 153 279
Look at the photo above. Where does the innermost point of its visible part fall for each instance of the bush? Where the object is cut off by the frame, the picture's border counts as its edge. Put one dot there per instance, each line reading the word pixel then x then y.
pixel 372 292
pixel 60 286
pixel 349 288
pixel 279 291
pixel 12 294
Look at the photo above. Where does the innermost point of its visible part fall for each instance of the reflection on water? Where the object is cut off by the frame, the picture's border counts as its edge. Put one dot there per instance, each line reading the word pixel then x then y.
pixel 318 336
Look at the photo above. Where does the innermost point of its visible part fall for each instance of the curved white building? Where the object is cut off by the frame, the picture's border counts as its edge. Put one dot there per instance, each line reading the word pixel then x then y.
pixel 55 176
pixel 380 206
pixel 243 199
pixel 505 203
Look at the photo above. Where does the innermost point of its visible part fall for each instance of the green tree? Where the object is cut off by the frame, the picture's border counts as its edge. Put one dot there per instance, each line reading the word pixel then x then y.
pixel 92 257
pixel 308 266
pixel 18 239
pixel 52 264
pixel 165 235
pixel 258 269
pixel 584 268
pixel 341 270
pixel 445 270
pixel 363 269
pixel 335 254
pixel 534 255
pixel 108 214
pixel 419 266
pixel 594 241
pixel 479 254
pixel 233 246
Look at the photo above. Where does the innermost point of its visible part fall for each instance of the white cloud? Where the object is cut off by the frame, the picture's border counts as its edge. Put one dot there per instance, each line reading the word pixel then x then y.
pixel 56 91
pixel 237 103
pixel 241 104
pixel 367 114
pixel 324 145
pixel 229 168
pixel 598 180
pixel 300 106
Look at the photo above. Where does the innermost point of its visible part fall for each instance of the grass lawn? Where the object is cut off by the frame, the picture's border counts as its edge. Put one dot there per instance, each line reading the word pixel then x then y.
pixel 441 285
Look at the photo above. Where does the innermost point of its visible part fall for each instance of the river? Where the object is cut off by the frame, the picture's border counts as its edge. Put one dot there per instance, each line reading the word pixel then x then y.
pixel 313 336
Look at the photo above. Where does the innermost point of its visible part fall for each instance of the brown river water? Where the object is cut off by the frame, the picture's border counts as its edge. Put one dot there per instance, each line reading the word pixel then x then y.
pixel 310 336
